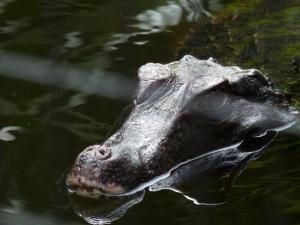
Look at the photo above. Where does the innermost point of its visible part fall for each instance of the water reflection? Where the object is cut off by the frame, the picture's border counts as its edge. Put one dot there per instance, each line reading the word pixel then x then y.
pixel 53 74
pixel 73 40
pixel 12 26
pixel 49 73
pixel 160 19
pixel 106 209
pixel 6 133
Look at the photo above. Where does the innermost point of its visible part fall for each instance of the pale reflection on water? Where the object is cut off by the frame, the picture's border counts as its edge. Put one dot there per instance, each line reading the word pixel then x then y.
pixel 51 73
pixel 73 40
pixel 6 133
pixel 160 19
pixel 12 26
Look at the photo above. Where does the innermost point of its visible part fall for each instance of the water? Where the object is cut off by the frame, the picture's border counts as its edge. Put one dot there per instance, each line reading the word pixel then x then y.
pixel 68 68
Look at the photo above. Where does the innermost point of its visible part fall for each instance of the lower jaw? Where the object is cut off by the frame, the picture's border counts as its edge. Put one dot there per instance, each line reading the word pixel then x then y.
pixel 95 193
pixel 86 192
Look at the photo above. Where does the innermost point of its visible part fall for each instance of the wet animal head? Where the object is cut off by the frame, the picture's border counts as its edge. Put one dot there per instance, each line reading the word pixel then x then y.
pixel 195 104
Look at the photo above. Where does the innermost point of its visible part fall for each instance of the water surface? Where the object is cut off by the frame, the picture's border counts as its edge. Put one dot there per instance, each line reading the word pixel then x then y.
pixel 68 68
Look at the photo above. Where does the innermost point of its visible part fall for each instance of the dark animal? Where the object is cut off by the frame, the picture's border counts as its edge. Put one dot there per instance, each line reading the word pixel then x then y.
pixel 181 110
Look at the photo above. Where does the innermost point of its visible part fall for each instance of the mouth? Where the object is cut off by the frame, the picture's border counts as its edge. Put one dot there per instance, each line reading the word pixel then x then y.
pixel 90 188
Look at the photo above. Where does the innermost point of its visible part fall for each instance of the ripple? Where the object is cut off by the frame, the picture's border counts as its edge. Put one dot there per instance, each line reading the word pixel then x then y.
pixel 5 134
pixel 157 20
pixel 73 40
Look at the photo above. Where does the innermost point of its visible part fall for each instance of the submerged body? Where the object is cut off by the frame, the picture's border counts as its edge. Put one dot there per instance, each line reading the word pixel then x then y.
pixel 181 110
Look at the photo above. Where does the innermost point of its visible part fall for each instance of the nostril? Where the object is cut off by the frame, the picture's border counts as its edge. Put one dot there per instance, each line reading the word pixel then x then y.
pixel 103 153
pixel 82 160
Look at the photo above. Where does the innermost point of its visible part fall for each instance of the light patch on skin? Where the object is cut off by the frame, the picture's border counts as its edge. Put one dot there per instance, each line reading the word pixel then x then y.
pixel 92 193
pixel 83 187
pixel 5 134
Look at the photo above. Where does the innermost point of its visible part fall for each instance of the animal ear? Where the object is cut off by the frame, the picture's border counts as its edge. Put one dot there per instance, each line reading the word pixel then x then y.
pixel 154 78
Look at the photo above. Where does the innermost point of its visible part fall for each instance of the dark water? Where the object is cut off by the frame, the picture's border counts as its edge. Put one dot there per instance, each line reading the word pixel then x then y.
pixel 68 68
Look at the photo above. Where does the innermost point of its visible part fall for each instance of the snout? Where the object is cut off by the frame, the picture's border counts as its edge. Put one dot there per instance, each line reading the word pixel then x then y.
pixel 89 161
pixel 89 175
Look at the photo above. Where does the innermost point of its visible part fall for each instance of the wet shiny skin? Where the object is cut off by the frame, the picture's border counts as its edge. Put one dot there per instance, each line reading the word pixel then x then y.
pixel 182 110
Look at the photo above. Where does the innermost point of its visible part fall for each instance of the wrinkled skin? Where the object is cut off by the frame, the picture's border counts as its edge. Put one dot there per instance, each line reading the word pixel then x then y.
pixel 181 110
